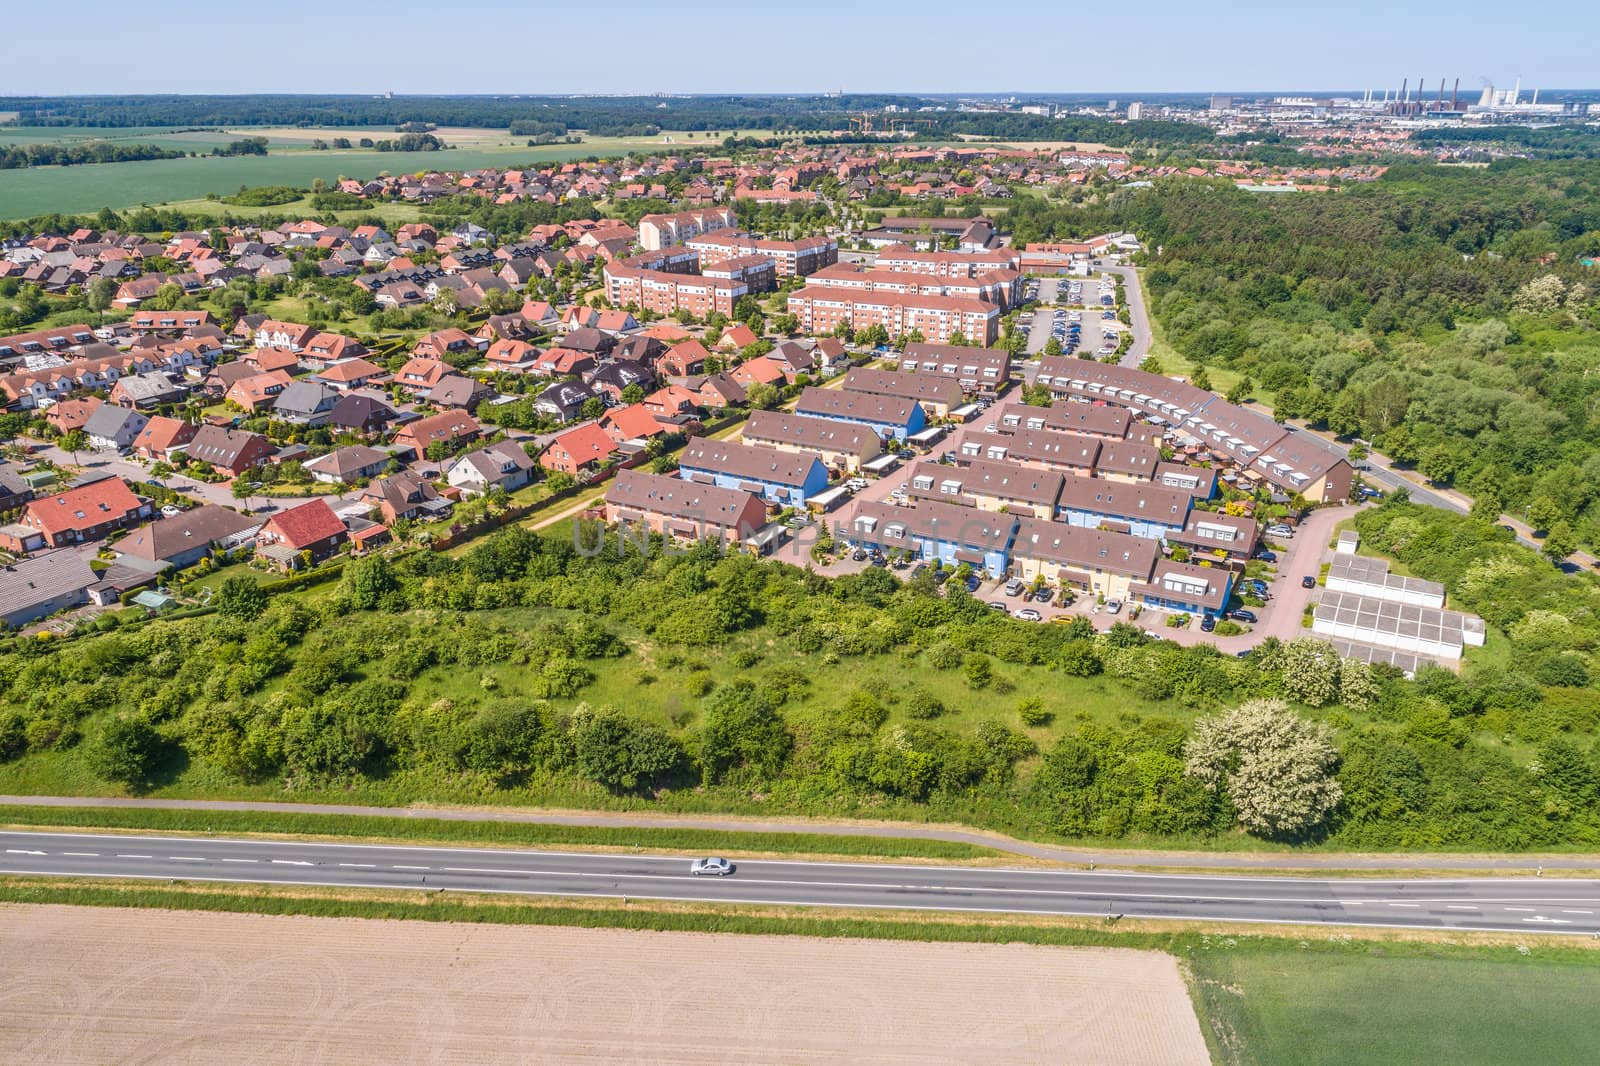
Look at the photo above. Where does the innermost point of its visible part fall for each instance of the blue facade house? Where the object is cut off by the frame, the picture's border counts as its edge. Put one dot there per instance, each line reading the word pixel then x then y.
pixel 787 479
pixel 889 416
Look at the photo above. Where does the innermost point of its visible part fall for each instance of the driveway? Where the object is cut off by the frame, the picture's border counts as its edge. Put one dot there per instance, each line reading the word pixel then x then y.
pixel 1138 314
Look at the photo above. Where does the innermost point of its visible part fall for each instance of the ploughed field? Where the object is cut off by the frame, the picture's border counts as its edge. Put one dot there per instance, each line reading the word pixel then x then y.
pixel 87 985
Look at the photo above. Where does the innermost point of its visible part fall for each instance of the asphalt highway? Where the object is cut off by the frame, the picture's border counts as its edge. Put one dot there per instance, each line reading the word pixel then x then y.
pixel 1525 905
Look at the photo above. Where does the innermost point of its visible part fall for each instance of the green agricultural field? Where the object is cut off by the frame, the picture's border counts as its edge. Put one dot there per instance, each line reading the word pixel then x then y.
pixel 1280 1007
pixel 45 190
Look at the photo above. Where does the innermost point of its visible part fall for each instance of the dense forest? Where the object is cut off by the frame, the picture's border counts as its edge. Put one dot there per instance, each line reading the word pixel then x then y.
pixel 1444 314
pixel 528 670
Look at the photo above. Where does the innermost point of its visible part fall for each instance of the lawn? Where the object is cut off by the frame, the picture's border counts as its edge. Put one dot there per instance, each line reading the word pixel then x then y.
pixel 1279 1006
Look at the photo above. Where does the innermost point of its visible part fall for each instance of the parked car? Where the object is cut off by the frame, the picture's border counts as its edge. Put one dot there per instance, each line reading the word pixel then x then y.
pixel 1308 582
pixel 998 605
pixel 711 867
pixel 941 576
pixel 1267 556
pixel 1044 595
pixel 1207 624
pixel 171 511
pixel 1243 615
pixel 1015 588
pixel 973 583
pixel 1027 614
pixel 1370 493
pixel 1281 531
pixel 859 555
pixel 1113 606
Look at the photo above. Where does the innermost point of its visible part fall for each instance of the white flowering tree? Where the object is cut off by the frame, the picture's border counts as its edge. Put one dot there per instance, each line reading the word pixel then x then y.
pixel 1277 767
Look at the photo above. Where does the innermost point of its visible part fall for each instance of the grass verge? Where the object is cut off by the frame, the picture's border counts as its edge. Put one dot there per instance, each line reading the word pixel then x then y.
pixel 520 834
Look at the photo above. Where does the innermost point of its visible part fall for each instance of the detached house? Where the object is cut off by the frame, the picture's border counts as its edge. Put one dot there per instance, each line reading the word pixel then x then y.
pixel 504 466
pixel 291 335
pixel 113 428
pixel 305 403
pixel 405 496
pixel 87 513
pixel 162 437
pixel 310 530
pixel 447 429
pixel 578 451
pixel 232 450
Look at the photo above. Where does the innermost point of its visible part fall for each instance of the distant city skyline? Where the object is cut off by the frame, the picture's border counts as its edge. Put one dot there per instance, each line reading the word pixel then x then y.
pixel 625 47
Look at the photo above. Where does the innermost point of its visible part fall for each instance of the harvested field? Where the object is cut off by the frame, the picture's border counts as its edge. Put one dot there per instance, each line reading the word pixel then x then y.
pixel 86 985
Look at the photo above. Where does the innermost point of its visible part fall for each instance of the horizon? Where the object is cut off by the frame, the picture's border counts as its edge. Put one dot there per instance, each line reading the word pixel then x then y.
pixel 1176 48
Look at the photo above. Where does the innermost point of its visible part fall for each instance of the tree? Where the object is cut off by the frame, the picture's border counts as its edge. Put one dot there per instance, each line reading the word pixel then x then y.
pixel 742 730
pixel 241 598
pixel 72 442
pixel 1438 464
pixel 762 397
pixel 1278 768
pixel 633 394
pixel 1200 379
pixel 99 294
pixel 593 407
pixel 1311 672
pixel 1559 542
pixel 1052 347
pixel 1543 512
pixel 367 581
pixel 622 753
pixel 125 750
pixel 977 670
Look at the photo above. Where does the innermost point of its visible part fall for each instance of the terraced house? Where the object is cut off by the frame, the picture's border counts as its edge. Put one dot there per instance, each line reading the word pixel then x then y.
pixel 841 445
pixel 1142 510
pixel 683 510
pixel 951 534
pixel 783 478
pixel 988 486
pixel 888 416
pixel 1095 561
pixel 938 396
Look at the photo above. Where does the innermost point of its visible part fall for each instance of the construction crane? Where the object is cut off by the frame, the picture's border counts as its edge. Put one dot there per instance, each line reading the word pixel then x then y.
pixel 867 122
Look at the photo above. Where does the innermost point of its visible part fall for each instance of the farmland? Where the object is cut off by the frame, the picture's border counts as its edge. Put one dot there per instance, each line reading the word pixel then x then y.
pixel 290 161
pixel 182 986
pixel 1283 1006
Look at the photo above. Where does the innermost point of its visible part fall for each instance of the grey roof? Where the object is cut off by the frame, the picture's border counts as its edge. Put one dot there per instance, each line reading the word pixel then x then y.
pixel 152 386
pixel 823 434
pixel 348 461
pixel 1151 502
pixel 1003 481
pixel 169 537
pixel 305 398
pixel 945 523
pixel 860 406
pixel 1088 549
pixel 748 462
pixel 109 419
pixel 38 580
pixel 676 498
pixel 357 410
pixel 497 460
pixel 928 387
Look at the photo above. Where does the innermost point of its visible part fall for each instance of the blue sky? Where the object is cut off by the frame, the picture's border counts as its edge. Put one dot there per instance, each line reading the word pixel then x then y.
pixel 533 46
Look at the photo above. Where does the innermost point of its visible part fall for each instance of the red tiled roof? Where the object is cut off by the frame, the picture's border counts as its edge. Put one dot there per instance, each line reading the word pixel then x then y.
pixel 302 526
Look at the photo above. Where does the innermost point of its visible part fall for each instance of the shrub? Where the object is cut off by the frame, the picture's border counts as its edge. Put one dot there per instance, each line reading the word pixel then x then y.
pixel 1032 712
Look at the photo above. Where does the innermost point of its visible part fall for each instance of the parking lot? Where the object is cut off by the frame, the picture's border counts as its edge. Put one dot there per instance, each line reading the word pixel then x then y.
pixel 1070 310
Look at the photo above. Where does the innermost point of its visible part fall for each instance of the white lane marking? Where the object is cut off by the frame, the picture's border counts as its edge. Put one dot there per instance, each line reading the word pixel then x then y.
pixel 82 854
pixel 880 867
pixel 1405 904
pixel 361 865
pixel 21 851
pixel 1577 912
pixel 135 856
pixel 1547 921
pixel 814 903
pixel 492 870
pixel 291 862
pixel 1528 910
pixel 241 860
pixel 185 858
pixel 411 867
pixel 1458 907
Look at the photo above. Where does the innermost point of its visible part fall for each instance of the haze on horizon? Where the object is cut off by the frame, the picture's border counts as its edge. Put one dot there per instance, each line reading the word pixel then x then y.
pixel 628 46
